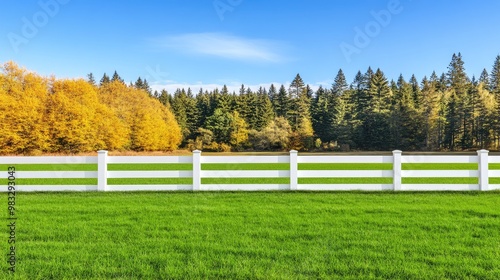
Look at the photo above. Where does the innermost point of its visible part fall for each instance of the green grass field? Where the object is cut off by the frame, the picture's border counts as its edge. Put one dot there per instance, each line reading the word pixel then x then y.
pixel 257 235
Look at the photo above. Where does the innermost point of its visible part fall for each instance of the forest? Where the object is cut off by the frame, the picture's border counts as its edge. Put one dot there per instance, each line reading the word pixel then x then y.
pixel 446 112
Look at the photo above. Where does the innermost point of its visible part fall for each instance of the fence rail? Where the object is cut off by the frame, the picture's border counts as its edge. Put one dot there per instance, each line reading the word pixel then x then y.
pixel 293 172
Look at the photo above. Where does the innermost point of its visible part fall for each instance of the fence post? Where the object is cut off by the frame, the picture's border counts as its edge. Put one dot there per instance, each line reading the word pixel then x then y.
pixel 396 168
pixel 196 170
pixel 102 170
pixel 483 169
pixel 293 170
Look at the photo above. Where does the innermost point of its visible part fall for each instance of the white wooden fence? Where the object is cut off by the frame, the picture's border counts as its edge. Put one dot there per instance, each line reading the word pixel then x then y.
pixel 292 173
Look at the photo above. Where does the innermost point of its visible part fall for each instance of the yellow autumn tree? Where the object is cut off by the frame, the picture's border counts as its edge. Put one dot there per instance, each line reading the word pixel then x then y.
pixel 150 125
pixel 302 139
pixel 23 97
pixel 239 130
pixel 49 115
pixel 79 122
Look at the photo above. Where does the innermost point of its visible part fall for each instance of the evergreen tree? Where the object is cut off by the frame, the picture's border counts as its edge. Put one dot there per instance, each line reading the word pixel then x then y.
pixel 452 125
pixel 164 97
pixel 221 124
pixel 139 84
pixel 272 93
pixel 300 103
pixel 296 86
pixel 485 117
pixel 192 114
pixel 104 80
pixel 408 130
pixel 91 79
pixel 495 90
pixel 321 121
pixel 244 105
pixel 224 100
pixel 416 94
pixel 339 84
pixel 359 103
pixel 431 113
pixel 265 112
pixel 116 77
pixel 186 112
pixel 359 97
pixel 495 77
pixel 375 124
pixel 281 102
pixel 380 92
pixel 146 87
pixel 204 107
pixel 179 110
pixel 484 78
pixel 458 126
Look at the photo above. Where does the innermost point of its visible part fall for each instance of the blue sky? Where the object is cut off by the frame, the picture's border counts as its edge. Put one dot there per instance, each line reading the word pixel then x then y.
pixel 208 43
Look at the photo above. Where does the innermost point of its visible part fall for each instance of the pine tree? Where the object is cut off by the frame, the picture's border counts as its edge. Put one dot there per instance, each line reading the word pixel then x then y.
pixel 375 124
pixel 416 94
pixel 192 114
pixel 243 105
pixel 484 79
pixel 164 98
pixel 296 86
pixel 91 79
pixel 321 121
pixel 430 113
pixel 360 97
pixel 337 109
pixel 117 77
pixel 408 126
pixel 495 77
pixel 452 125
pixel 265 112
pixel 281 102
pixel 220 123
pixel 380 92
pixel 299 102
pixel 139 84
pixel 401 101
pixel 146 87
pixel 204 107
pixel 224 100
pixel 272 93
pixel 495 90
pixel 179 110
pixel 458 129
pixel 485 118
pixel 359 104
pixel 339 84
pixel 104 80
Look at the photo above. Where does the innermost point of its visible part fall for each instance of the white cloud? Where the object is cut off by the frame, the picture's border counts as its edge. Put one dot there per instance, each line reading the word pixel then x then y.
pixel 225 46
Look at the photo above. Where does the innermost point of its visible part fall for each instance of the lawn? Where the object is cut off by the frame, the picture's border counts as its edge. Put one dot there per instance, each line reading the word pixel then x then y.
pixel 257 235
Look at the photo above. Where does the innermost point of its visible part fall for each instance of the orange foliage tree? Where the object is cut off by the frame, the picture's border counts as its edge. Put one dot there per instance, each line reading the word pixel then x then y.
pixel 150 125
pixel 23 98
pixel 48 115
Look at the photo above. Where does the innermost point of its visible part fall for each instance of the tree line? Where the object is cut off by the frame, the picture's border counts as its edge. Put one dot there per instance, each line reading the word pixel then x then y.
pixel 450 111
pixel 446 112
